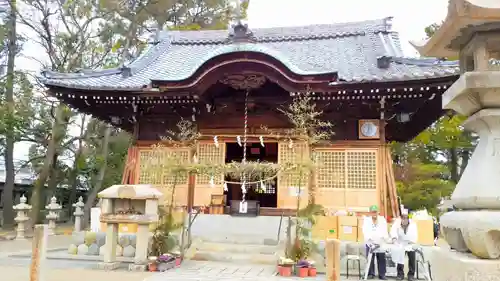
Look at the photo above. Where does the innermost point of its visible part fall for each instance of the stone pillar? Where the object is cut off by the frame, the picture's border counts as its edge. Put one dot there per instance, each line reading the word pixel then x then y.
pixel 22 210
pixel 78 214
pixel 110 262
pixel 141 249
pixel 332 256
pixel 142 237
pixel 39 253
pixel 54 210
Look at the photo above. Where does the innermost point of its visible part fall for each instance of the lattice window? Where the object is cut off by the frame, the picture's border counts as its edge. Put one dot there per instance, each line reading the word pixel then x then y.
pixel 153 166
pixel 270 189
pixel 331 171
pixel 209 153
pixel 361 169
pixel 298 153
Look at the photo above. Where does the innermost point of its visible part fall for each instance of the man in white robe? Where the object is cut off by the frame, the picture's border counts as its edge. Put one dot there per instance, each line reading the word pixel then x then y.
pixel 375 233
pixel 404 235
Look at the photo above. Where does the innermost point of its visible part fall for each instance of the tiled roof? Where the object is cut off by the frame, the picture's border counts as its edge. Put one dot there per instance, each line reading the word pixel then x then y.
pixel 353 50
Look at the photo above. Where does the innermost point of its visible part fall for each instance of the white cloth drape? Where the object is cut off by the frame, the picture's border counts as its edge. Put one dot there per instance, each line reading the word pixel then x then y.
pixel 375 233
pixel 404 241
pixel 95 220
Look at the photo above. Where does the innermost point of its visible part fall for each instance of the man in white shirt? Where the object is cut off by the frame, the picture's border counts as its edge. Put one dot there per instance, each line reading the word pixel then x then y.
pixel 375 233
pixel 404 235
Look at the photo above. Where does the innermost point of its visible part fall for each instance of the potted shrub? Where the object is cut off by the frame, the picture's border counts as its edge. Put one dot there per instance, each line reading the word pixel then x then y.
pixel 285 267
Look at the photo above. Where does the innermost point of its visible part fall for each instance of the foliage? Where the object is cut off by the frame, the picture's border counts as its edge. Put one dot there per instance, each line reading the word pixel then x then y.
pixel 424 186
pixel 305 220
pixel 164 239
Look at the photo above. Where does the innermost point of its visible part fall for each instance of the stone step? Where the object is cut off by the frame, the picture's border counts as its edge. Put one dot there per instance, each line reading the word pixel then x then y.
pixel 238 258
pixel 240 240
pixel 237 248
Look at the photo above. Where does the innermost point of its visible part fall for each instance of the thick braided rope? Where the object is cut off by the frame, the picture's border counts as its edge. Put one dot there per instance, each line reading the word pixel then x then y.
pixel 245 139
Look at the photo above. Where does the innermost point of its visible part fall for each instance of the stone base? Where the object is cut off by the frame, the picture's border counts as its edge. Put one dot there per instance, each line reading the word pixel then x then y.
pixel 449 265
pixel 475 231
pixel 108 265
pixel 137 267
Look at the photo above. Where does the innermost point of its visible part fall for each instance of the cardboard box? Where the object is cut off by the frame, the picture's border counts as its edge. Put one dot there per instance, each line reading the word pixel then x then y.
pixel 325 227
pixel 348 220
pixel 360 229
pixel 348 228
pixel 425 229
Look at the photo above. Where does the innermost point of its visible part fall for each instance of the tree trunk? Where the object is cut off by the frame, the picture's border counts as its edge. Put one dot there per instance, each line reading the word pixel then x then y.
pixel 73 177
pixel 453 163
pixel 8 200
pixel 52 184
pixel 100 178
pixel 39 186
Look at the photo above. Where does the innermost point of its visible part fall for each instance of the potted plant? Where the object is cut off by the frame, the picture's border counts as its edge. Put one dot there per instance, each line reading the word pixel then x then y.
pixel 152 265
pixel 177 256
pixel 285 267
pixel 165 262
pixel 302 268
pixel 312 269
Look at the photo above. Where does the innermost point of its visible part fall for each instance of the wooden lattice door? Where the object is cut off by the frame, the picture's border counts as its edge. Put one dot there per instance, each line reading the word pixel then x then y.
pixel 289 182
pixel 346 178
pixel 209 153
pixel 153 169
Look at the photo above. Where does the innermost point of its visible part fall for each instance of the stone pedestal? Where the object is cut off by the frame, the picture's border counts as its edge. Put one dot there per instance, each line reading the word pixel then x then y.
pixel 54 210
pixel 476 227
pixel 22 210
pixel 78 214
pixel 454 266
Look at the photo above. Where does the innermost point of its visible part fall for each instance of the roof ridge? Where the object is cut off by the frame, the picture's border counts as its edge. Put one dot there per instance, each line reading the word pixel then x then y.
pixel 286 33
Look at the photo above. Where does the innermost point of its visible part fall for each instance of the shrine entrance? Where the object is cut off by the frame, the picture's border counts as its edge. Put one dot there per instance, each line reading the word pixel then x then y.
pixel 266 197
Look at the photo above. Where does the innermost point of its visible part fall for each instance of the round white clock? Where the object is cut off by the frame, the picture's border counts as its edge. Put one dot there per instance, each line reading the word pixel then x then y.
pixel 369 129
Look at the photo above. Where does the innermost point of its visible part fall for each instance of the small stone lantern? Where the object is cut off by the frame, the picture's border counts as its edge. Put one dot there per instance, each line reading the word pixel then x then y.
pixel 22 210
pixel 78 214
pixel 54 210
pixel 136 204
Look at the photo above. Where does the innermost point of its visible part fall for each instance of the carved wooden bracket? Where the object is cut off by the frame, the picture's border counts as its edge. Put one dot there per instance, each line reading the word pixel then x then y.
pixel 244 82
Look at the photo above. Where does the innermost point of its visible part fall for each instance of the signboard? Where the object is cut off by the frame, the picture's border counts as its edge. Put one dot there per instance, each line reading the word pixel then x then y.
pixel 243 207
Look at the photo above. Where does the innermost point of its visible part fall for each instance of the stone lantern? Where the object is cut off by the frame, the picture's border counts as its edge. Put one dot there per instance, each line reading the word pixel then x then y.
pixel 471 32
pixel 53 214
pixel 136 204
pixel 22 210
pixel 78 214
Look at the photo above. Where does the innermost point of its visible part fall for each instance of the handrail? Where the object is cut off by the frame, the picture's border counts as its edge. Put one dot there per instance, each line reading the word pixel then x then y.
pixel 279 228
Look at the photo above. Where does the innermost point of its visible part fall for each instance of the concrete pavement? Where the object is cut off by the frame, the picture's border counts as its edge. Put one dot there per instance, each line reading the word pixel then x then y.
pixel 14 268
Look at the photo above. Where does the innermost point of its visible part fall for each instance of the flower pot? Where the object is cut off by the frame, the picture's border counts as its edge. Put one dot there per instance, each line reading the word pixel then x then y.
pixel 152 267
pixel 302 272
pixel 178 261
pixel 312 271
pixel 285 271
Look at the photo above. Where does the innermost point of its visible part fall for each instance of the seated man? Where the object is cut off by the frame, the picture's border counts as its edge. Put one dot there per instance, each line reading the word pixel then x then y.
pixel 404 236
pixel 375 233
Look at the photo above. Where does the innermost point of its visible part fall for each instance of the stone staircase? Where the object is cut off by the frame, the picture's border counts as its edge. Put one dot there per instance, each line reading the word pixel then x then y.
pixel 238 239
pixel 237 252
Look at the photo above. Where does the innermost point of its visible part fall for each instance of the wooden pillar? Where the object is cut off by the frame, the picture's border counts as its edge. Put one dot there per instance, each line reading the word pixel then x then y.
pixel 39 252
pixel 332 254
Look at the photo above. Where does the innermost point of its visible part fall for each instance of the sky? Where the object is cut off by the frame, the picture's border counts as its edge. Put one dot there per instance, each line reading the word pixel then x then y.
pixel 410 17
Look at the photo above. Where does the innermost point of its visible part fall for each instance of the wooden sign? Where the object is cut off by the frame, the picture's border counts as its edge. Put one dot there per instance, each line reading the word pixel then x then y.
pixel 39 252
